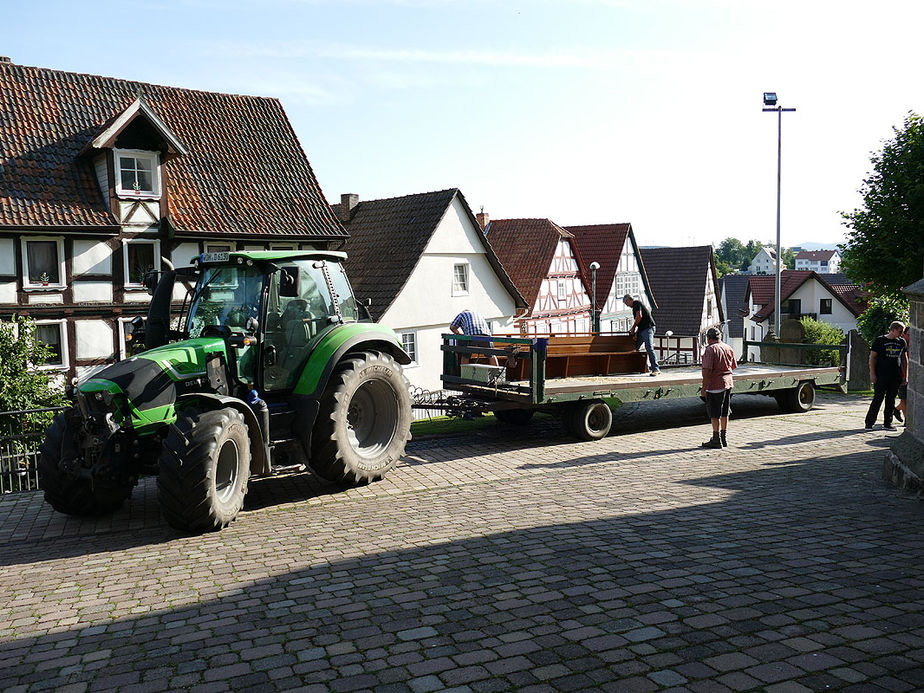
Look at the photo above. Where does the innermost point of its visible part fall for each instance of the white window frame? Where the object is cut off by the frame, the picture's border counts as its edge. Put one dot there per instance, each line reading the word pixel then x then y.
pixel 123 347
pixel 62 333
pixel 463 291
pixel 26 284
pixel 128 284
pixel 562 290
pixel 413 353
pixel 153 157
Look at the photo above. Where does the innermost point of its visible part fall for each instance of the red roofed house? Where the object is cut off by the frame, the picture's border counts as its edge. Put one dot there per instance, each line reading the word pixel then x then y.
pixel 621 271
pixel 803 293
pixel 539 257
pixel 821 261
pixel 101 178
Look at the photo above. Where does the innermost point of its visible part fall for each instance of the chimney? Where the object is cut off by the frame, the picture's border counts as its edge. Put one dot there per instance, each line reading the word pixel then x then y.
pixel 483 219
pixel 348 202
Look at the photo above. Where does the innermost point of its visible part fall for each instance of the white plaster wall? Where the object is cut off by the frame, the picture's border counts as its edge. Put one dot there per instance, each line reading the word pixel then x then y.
pixel 92 292
pixel 137 297
pixel 183 254
pixel 811 294
pixel 94 339
pixel 7 258
pixel 87 372
pixel 91 257
pixel 8 292
pixel 45 297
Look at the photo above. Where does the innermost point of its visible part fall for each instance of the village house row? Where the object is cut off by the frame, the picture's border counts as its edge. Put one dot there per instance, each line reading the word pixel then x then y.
pixel 101 179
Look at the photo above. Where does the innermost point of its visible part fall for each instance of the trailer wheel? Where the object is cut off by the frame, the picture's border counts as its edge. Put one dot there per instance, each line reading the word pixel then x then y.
pixel 364 421
pixel 589 420
pixel 799 399
pixel 204 468
pixel 70 493
pixel 514 417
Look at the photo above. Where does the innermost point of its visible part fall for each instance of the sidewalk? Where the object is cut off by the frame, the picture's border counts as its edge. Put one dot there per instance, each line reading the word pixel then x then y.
pixel 505 558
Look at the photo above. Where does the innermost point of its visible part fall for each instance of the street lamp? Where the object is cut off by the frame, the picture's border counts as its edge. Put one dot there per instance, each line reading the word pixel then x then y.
pixel 770 105
pixel 594 319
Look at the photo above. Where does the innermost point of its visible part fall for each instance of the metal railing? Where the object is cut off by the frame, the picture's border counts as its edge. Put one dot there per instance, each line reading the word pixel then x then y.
pixel 21 433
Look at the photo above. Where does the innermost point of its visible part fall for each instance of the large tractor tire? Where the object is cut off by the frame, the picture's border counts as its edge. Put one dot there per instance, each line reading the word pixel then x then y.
pixel 588 420
pixel 364 421
pixel 799 399
pixel 204 468
pixel 69 493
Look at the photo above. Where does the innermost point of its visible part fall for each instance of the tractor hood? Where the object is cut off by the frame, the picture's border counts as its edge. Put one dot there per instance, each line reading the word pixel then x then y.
pixel 142 390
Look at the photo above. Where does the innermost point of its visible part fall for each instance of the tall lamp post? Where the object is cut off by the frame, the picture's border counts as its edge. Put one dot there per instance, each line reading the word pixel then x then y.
pixel 771 106
pixel 594 320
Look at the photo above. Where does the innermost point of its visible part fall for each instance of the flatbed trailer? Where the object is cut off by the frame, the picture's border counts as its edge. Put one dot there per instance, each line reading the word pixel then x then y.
pixel 582 378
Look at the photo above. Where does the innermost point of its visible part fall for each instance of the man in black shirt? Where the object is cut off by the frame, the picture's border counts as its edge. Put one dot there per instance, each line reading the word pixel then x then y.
pixel 643 330
pixel 888 358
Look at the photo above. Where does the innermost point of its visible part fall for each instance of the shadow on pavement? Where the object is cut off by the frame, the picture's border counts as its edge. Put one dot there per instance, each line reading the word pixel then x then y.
pixel 804 551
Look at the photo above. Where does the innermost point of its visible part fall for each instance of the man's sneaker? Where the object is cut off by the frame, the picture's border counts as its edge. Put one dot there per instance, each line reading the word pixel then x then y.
pixel 888 427
pixel 654 373
pixel 869 427
pixel 898 416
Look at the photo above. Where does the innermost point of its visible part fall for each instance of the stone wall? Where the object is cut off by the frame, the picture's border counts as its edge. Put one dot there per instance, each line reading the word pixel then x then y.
pixel 904 463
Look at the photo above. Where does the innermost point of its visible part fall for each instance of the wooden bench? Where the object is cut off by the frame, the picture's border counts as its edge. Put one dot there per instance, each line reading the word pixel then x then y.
pixel 585 355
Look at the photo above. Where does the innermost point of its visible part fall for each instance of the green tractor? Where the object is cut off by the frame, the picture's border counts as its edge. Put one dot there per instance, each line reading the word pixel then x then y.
pixel 267 367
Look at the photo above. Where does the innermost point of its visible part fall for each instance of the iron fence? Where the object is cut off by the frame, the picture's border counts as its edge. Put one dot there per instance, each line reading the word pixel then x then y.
pixel 21 433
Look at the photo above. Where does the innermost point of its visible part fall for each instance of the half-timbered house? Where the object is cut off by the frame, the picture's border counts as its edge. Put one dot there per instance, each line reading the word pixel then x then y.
pixel 613 247
pixel 539 257
pixel 102 178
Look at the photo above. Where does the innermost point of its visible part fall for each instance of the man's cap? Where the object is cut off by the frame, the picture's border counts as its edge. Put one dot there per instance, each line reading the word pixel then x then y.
pixel 713 333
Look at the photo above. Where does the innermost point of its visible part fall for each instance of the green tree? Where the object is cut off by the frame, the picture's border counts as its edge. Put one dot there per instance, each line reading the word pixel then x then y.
pixel 22 385
pixel 750 252
pixel 731 252
pixel 817 332
pixel 882 312
pixel 884 248
pixel 789 258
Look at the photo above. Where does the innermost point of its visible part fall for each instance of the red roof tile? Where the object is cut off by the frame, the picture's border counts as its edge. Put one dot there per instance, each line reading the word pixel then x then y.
pixel 245 172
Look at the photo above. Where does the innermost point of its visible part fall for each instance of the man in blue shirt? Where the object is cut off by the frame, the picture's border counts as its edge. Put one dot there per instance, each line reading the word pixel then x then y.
pixel 470 323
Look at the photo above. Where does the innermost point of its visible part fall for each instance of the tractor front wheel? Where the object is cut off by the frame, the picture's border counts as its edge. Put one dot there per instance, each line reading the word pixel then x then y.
pixel 66 489
pixel 364 421
pixel 204 468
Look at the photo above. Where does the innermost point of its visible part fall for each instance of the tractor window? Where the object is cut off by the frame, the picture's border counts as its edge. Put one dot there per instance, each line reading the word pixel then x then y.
pixel 343 292
pixel 294 320
pixel 226 296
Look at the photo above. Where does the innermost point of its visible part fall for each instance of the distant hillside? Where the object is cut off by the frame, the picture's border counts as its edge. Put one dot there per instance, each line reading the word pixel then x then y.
pixel 816 246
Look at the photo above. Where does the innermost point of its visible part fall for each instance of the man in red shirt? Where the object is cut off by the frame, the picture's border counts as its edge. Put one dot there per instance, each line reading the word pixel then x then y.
pixel 718 364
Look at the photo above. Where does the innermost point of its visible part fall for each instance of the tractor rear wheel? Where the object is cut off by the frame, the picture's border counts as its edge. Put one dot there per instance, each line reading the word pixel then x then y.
pixel 204 468
pixel 364 421
pixel 68 492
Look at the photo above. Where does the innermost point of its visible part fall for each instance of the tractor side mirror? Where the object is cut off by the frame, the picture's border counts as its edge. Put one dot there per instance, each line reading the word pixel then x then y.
pixel 288 282
pixel 150 281
pixel 134 340
pixel 269 356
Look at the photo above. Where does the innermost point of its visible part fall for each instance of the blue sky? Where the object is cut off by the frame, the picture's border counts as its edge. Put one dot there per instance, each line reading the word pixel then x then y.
pixel 582 111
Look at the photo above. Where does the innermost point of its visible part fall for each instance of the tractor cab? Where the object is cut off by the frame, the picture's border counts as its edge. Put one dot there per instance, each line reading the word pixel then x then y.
pixel 271 308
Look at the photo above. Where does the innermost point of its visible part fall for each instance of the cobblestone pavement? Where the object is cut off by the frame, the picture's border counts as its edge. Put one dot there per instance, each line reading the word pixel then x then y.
pixel 509 558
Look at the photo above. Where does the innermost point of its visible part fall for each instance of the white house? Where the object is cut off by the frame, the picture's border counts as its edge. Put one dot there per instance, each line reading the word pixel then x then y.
pixel 803 293
pixel 764 262
pixel 613 247
pixel 539 257
pixel 421 259
pixel 103 178
pixel 821 261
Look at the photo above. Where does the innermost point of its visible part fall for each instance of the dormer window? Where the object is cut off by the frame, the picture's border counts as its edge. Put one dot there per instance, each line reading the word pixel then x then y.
pixel 137 173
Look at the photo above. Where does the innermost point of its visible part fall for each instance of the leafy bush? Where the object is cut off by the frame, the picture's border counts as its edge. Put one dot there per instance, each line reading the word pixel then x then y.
pixel 22 384
pixel 882 312
pixel 817 332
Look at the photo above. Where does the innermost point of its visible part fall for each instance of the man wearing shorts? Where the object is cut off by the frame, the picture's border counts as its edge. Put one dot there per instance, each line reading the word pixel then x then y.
pixel 718 364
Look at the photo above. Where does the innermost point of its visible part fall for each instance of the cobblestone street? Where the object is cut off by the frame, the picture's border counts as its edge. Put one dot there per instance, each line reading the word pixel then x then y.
pixel 508 558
